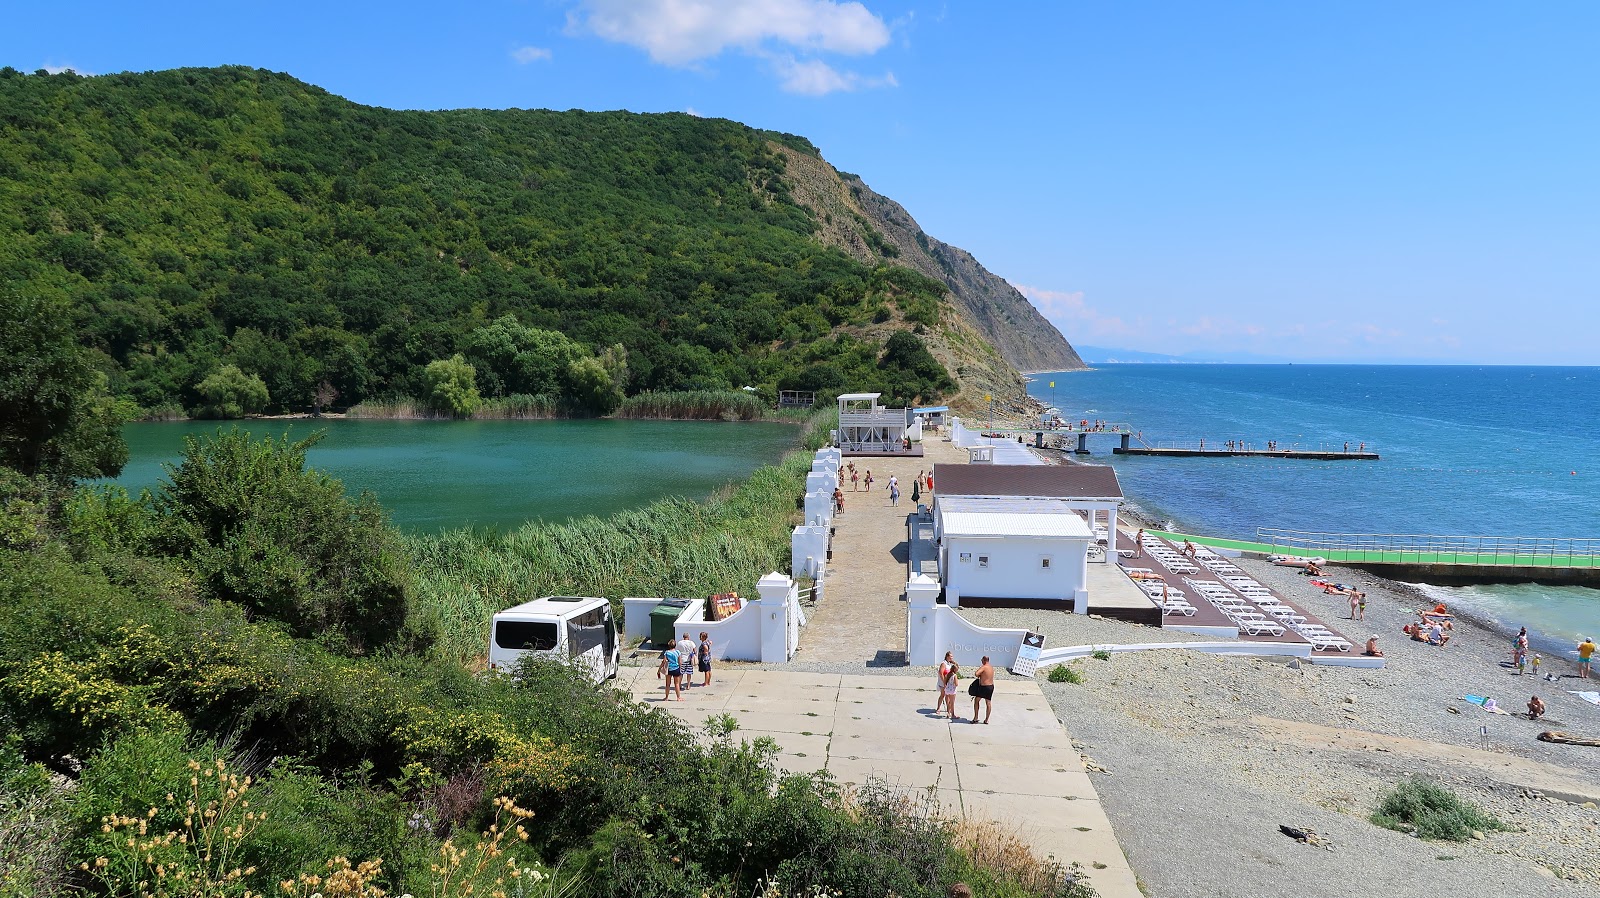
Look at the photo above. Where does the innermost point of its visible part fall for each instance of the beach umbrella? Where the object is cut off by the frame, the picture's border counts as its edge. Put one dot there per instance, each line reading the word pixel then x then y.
pixel 916 491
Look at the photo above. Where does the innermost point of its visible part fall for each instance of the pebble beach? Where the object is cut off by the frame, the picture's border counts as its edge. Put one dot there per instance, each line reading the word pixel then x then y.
pixel 1205 756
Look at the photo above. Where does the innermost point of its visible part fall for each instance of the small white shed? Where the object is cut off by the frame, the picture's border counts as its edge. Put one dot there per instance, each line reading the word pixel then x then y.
pixel 1006 550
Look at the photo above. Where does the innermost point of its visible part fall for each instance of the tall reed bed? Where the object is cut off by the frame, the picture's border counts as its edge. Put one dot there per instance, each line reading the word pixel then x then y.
pixel 699 405
pixel 673 547
pixel 519 405
pixel 505 407
pixel 392 408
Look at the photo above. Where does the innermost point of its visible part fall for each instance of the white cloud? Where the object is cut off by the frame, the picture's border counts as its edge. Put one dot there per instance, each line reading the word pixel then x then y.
pixel 58 69
pixel 693 111
pixel 525 55
pixel 1069 309
pixel 814 78
pixel 685 32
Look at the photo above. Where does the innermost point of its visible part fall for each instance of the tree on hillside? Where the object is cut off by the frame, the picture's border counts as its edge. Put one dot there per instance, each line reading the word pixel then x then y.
pixel 231 393
pixel 913 373
pixel 453 386
pixel 512 359
pixel 56 417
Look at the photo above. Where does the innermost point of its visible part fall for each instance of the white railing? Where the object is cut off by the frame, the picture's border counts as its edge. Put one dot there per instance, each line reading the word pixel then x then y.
pixel 1420 548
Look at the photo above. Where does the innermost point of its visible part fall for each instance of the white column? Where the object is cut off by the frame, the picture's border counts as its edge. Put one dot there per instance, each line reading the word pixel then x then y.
pixel 1080 599
pixel 774 617
pixel 1111 531
pixel 922 630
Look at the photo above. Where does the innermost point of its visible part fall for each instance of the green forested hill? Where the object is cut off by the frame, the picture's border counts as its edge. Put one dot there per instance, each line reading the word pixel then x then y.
pixel 199 218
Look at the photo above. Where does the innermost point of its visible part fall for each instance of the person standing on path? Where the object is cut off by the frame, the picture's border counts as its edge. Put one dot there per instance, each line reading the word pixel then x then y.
pixel 982 690
pixel 1354 604
pixel 704 657
pixel 944 674
pixel 950 684
pixel 1519 651
pixel 894 495
pixel 869 480
pixel 1585 653
pixel 1138 544
pixel 855 480
pixel 670 670
pixel 930 483
pixel 686 660
pixel 838 501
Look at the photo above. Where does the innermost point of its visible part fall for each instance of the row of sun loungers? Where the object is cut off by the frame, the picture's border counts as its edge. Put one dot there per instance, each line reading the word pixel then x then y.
pixel 1244 613
pixel 1249 605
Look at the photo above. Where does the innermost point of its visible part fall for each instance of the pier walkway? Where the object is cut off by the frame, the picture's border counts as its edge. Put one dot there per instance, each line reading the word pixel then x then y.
pixel 1443 560
pixel 1197 452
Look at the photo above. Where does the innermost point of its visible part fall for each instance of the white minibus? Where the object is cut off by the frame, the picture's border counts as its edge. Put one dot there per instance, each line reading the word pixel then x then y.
pixel 573 628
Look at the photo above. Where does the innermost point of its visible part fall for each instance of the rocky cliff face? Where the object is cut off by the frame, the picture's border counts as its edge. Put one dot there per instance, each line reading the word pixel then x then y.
pixel 876 229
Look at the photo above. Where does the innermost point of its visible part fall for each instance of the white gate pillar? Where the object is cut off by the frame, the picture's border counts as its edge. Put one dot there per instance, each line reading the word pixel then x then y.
pixel 773 606
pixel 922 621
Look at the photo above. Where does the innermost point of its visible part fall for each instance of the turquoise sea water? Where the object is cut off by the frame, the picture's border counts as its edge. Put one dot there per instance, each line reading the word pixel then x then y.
pixel 434 475
pixel 1493 451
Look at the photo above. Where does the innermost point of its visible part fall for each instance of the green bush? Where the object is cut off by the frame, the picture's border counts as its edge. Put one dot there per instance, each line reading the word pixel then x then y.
pixel 34 826
pixel 1065 673
pixel 261 530
pixel 231 393
pixel 452 386
pixel 1431 811
pixel 1101 655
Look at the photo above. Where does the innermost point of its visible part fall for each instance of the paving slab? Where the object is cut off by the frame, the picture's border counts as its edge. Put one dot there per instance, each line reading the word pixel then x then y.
pixel 784 723
pixel 886 683
pixel 812 746
pixel 891 749
pixel 1025 781
pixel 1036 757
pixel 905 774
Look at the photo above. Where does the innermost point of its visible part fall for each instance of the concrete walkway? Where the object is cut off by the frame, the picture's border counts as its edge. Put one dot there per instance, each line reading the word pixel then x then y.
pixel 862 616
pixel 1020 770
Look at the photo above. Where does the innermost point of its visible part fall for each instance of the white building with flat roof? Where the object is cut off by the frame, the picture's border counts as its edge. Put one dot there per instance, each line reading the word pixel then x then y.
pixel 1002 551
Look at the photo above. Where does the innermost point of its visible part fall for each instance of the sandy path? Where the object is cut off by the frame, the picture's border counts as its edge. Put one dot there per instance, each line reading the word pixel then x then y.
pixel 862 616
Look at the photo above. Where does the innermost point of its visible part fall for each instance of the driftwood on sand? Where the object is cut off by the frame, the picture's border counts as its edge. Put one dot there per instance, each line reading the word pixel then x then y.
pixel 1567 738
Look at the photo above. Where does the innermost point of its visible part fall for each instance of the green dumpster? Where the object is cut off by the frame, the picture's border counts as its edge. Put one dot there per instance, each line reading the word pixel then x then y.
pixel 663 617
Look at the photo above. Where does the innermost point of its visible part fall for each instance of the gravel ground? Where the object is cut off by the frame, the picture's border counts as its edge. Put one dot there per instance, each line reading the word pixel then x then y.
pixel 1196 792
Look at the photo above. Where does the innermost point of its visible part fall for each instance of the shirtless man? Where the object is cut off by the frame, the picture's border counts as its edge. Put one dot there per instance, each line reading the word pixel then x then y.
pixel 982 690
pixel 1535 708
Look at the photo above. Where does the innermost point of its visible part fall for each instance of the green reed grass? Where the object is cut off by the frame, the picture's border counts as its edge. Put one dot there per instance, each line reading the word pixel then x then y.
pixel 699 405
pixel 673 547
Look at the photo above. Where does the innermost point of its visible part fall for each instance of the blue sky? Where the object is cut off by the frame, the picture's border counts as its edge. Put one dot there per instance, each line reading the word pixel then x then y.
pixel 1330 182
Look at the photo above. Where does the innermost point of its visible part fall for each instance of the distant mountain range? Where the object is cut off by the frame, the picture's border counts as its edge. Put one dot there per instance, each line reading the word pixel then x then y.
pixel 1101 355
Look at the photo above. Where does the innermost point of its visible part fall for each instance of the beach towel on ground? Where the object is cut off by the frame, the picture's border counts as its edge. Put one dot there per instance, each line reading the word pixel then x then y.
pixel 1592 698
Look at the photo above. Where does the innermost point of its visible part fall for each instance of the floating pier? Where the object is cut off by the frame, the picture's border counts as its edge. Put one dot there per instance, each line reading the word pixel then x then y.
pixel 1196 452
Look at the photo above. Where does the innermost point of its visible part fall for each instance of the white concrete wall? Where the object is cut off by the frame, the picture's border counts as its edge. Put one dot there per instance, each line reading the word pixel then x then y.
pixel 933 629
pixel 1014 570
pixel 808 551
pixel 819 508
pixel 734 638
pixel 636 618
pixel 757 632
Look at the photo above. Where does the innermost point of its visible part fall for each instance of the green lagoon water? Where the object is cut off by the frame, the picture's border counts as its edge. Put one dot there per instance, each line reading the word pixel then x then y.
pixel 437 475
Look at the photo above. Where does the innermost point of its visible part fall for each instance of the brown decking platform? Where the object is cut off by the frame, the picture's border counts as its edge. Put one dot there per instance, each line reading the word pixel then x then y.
pixel 1208 615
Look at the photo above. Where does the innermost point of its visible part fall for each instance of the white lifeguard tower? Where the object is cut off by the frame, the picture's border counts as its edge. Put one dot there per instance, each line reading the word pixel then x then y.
pixel 867 428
